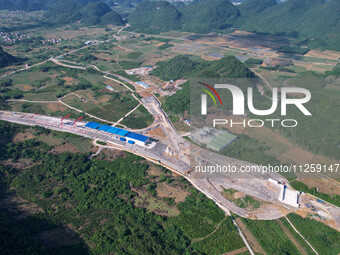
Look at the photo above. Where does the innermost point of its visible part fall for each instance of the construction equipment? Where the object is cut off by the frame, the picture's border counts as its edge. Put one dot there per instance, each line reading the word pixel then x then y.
pixel 74 123
pixel 68 115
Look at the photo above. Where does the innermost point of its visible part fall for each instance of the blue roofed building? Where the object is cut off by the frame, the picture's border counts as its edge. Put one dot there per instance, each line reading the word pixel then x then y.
pixel 125 135
pixel 92 125
pixel 143 84
pixel 139 139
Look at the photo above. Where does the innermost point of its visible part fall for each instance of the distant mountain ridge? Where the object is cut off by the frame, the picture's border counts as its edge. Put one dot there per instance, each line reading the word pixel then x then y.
pixel 89 12
pixel 315 23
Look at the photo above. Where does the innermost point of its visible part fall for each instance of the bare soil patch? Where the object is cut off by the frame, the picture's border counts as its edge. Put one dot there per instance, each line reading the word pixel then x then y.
pixel 154 59
pixel 160 44
pixel 24 87
pixel 22 163
pixel 64 147
pixel 154 204
pixel 55 107
pixel 239 194
pixel 323 54
pixel 50 140
pixel 68 80
pixel 238 251
pixel 111 154
pixel 155 171
pixel 104 56
pixel 209 58
pixel 20 137
pixel 164 190
pixel 323 185
pixel 157 133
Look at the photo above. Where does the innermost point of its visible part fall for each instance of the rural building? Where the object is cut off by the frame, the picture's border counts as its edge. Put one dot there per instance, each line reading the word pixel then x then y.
pixel 109 88
pixel 143 84
pixel 121 134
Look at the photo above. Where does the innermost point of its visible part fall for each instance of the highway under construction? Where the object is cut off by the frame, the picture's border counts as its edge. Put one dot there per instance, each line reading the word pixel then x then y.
pixel 266 187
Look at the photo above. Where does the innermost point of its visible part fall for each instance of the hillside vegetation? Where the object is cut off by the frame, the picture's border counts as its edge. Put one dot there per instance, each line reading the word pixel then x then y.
pixel 89 12
pixel 98 200
pixel 154 16
pixel 7 59
pixel 207 16
pixel 314 23
pixel 66 11
pixel 182 66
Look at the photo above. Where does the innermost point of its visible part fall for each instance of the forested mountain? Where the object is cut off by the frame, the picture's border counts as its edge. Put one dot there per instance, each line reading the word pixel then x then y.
pixel 255 7
pixel 7 59
pixel 314 23
pixel 207 16
pixel 26 5
pixel 88 12
pixel 199 16
pixel 314 19
pixel 182 66
pixel 158 16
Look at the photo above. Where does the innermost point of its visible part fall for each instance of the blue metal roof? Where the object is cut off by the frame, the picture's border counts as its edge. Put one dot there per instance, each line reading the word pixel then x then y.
pixel 113 130
pixel 117 131
pixel 138 137
pixel 122 132
pixel 93 125
pixel 104 128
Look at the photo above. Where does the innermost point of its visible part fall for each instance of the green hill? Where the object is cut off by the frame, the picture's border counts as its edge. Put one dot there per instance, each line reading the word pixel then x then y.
pixel 314 23
pixel 88 12
pixel 7 59
pixel 207 16
pixel 183 67
pixel 155 16
pixel 96 9
pixel 251 9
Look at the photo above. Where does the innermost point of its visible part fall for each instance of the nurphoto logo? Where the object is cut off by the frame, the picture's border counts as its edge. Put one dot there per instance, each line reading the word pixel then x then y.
pixel 238 107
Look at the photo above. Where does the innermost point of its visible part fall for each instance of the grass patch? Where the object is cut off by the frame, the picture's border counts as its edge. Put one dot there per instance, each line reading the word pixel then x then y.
pixel 271 237
pixel 134 55
pixel 323 238
pixel 243 202
pixel 225 239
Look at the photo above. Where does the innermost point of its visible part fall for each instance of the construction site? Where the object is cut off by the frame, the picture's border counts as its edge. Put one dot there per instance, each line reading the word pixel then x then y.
pixel 278 198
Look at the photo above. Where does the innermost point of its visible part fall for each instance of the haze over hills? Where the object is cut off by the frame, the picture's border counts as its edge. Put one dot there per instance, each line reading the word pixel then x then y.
pixel 312 22
pixel 207 16
pixel 314 19
pixel 88 12
pixel 160 15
